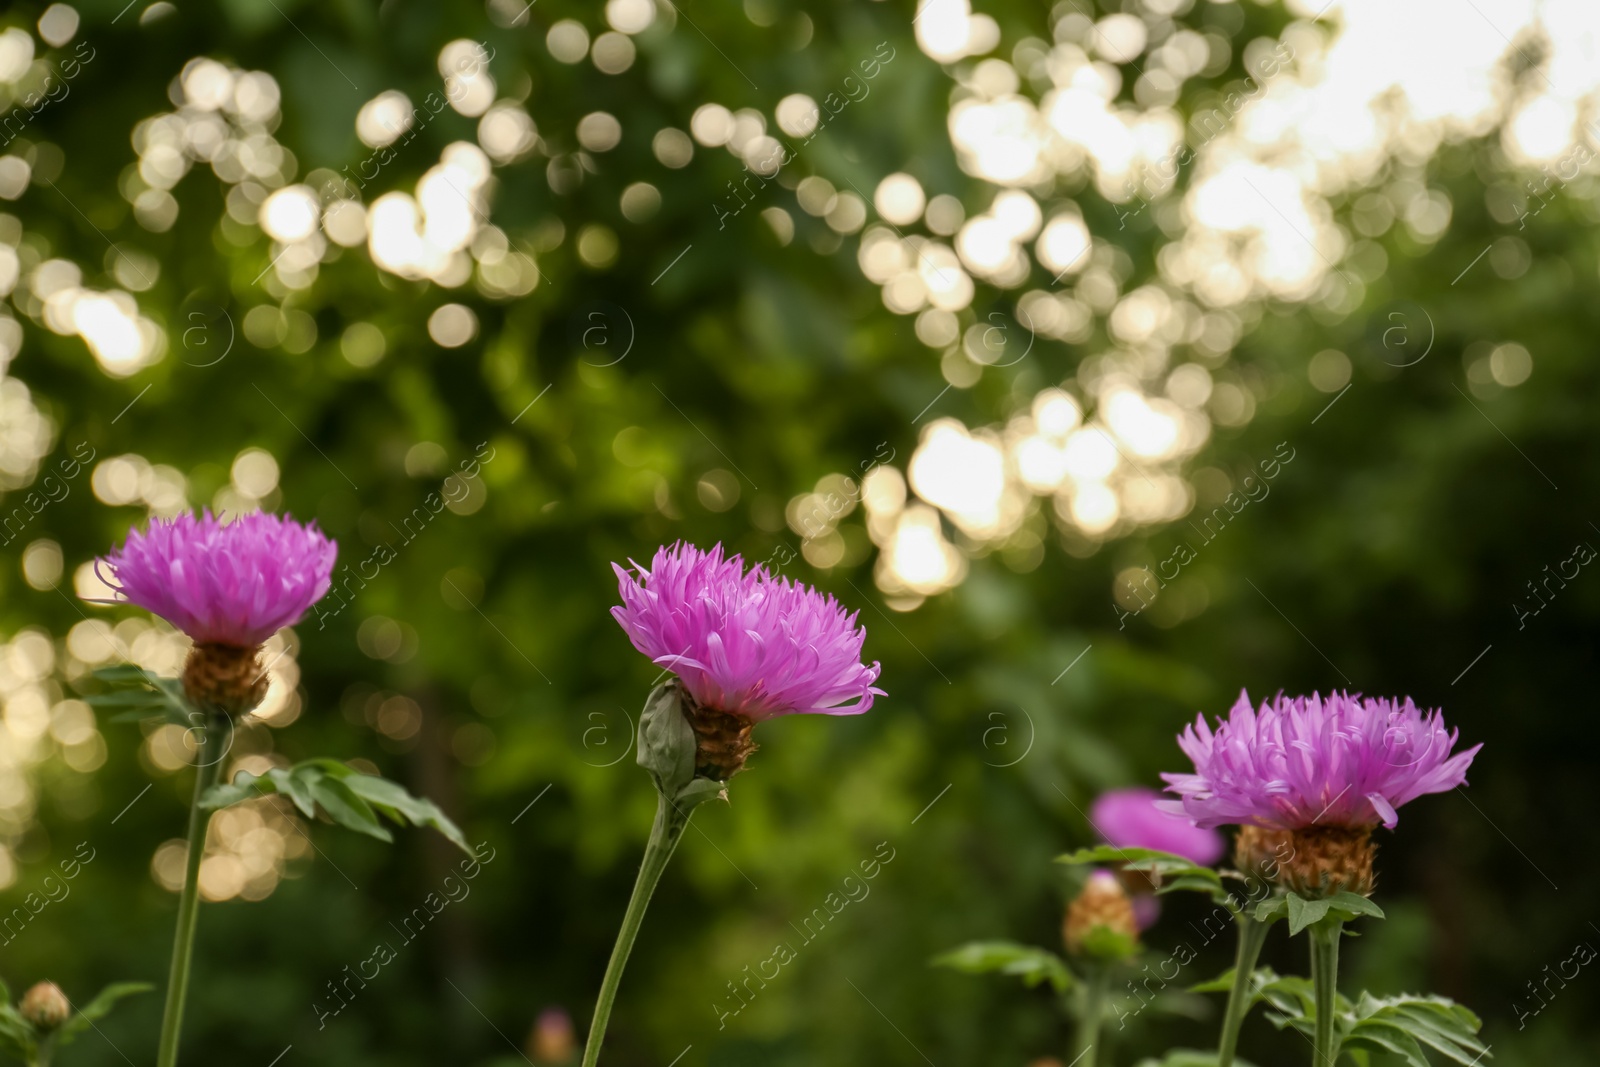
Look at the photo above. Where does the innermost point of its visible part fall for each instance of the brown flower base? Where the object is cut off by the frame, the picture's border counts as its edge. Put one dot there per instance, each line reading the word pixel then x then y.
pixel 1330 859
pixel 225 677
pixel 1261 853
pixel 1103 902
pixel 722 741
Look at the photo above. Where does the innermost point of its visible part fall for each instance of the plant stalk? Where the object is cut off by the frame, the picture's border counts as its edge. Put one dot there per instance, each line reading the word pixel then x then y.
pixel 213 747
pixel 670 823
pixel 1325 988
pixel 1252 935
pixel 1096 991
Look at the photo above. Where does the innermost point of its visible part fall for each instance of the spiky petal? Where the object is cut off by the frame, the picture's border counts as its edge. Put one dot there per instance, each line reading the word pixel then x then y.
pixel 232 584
pixel 1131 818
pixel 744 642
pixel 1340 760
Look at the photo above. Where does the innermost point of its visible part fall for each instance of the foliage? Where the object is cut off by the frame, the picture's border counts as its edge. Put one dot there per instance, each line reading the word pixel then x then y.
pixel 350 798
pixel 1408 1026
pixel 1035 966
pixel 31 1044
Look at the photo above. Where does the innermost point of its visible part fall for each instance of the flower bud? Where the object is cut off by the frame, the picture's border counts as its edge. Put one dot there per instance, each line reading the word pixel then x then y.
pixel 1102 908
pixel 45 1006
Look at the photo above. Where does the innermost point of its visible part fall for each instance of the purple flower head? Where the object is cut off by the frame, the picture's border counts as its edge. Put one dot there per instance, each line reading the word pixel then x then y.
pixel 1340 760
pixel 745 643
pixel 1130 818
pixel 235 584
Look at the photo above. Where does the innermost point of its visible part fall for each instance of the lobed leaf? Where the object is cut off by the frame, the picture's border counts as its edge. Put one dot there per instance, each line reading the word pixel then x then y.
pixel 348 797
pixel 1033 965
pixel 98 1008
pixel 1175 873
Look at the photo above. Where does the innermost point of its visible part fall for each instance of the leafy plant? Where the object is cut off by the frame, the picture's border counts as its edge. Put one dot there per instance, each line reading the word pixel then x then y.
pixel 345 795
pixel 34 1027
pixel 1032 964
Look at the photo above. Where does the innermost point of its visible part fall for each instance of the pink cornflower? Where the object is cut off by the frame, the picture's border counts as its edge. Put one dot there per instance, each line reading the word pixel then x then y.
pixel 233 584
pixel 1131 818
pixel 1338 761
pixel 745 643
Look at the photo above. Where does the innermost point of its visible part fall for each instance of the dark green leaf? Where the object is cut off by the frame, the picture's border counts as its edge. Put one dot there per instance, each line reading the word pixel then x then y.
pixel 348 797
pixel 1303 912
pixel 98 1008
pixel 1032 964
pixel 1174 873
pixel 345 807
pixel 1407 1021
pixel 1352 906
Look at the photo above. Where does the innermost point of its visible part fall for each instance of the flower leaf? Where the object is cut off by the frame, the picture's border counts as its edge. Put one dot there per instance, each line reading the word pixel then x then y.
pixel 348 809
pixel 666 740
pixel 1347 905
pixel 1033 965
pixel 98 1008
pixel 16 1034
pixel 1407 1023
pixel 347 796
pixel 140 694
pixel 1171 873
pixel 1288 994
pixel 700 790
pixel 1272 909
pixel 1303 912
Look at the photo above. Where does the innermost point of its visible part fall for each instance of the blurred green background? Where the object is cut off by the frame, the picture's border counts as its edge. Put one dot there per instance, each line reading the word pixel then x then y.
pixel 634 365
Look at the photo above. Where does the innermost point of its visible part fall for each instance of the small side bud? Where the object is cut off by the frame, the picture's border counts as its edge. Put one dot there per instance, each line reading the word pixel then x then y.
pixel 1100 922
pixel 672 752
pixel 45 1006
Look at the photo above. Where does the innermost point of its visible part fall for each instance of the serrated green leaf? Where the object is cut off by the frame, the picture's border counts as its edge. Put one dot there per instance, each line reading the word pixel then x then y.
pixel 16 1033
pixel 1303 912
pixel 349 797
pixel 98 1008
pixel 126 698
pixel 401 807
pixel 1174 873
pixel 143 691
pixel 1413 1021
pixel 1032 964
pixel 122 672
pixel 345 807
pixel 1353 905
pixel 1272 909
pixel 699 791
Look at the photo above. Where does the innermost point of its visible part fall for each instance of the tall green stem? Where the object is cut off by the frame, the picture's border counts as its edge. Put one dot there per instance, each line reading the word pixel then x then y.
pixel 1252 935
pixel 213 747
pixel 1325 987
pixel 670 823
pixel 1096 990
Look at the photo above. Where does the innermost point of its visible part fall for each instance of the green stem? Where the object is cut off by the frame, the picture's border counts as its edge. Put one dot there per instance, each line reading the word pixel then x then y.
pixel 664 837
pixel 1252 935
pixel 1096 989
pixel 213 747
pixel 1325 987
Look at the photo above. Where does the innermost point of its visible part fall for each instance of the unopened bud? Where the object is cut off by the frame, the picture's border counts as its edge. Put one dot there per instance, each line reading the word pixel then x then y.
pixel 1103 908
pixel 45 1006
